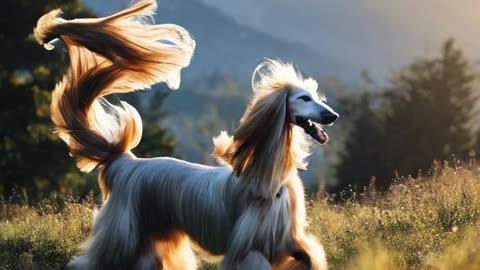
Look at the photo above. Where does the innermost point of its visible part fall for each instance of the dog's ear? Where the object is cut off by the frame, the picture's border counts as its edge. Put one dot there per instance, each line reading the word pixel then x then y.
pixel 262 136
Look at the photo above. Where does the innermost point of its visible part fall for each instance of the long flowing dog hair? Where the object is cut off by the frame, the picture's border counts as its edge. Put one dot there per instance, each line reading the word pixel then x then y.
pixel 251 211
pixel 114 54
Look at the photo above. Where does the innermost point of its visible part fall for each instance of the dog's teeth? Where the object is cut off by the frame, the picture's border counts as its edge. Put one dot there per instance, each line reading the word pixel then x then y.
pixel 310 122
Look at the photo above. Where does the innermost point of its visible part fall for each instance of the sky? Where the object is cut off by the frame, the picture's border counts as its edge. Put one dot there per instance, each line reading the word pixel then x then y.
pixel 378 35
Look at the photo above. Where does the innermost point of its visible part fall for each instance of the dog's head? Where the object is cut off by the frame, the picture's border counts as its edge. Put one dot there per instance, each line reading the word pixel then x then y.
pixel 274 80
pixel 308 111
pixel 265 147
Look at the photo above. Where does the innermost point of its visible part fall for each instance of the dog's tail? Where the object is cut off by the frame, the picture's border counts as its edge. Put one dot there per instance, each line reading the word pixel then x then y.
pixel 115 54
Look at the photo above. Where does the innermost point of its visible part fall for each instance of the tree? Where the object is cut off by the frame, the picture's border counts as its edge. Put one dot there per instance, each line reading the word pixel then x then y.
pixel 32 158
pixel 361 156
pixel 432 111
pixel 427 114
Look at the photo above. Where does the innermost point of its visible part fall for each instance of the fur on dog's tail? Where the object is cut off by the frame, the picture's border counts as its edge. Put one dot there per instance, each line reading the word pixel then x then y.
pixel 115 54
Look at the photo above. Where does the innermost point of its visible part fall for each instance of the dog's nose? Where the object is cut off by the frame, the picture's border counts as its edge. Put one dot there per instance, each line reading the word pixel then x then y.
pixel 328 117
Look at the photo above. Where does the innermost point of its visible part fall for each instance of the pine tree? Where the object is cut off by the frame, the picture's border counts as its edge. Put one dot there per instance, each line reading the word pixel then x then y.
pixel 431 111
pixel 362 155
pixel 427 114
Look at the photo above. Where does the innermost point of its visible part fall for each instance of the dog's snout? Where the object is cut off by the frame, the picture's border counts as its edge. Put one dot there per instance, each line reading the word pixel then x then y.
pixel 328 117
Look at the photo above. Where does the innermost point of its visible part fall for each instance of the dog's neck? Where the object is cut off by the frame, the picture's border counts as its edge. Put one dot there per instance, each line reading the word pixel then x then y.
pixel 265 149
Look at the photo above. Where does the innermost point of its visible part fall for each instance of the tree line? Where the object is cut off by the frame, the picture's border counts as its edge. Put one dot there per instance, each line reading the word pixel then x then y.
pixel 427 112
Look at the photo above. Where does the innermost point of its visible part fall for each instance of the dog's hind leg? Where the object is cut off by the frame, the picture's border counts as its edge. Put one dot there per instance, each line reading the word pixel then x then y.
pixel 176 253
pixel 115 242
pixel 148 259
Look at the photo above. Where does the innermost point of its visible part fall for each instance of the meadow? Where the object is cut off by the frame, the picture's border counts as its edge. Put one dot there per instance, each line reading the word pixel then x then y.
pixel 431 222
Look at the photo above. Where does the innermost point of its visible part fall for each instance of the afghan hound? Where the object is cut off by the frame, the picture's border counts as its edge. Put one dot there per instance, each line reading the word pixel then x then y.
pixel 250 210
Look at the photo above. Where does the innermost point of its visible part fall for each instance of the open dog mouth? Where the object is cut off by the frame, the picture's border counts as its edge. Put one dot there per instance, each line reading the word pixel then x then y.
pixel 313 129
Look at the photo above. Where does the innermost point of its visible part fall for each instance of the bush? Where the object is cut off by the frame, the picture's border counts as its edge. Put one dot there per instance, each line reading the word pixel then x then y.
pixel 42 237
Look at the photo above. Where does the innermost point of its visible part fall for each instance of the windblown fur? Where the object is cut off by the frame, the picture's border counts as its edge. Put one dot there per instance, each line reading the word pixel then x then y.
pixel 251 210
pixel 115 54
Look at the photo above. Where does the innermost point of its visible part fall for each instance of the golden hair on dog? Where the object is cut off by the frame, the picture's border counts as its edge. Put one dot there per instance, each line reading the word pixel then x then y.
pixel 115 54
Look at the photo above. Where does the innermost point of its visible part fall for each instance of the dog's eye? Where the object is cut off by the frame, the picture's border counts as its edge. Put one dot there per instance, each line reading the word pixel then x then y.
pixel 305 98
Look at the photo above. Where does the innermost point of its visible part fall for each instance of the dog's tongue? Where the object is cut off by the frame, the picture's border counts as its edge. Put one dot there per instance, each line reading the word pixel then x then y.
pixel 321 134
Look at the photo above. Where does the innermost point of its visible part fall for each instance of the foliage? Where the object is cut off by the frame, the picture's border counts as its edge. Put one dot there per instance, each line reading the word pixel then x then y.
pixel 366 132
pixel 27 75
pixel 426 223
pixel 33 159
pixel 426 113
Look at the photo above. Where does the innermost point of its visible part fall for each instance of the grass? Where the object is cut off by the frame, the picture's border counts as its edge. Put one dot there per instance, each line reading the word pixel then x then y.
pixel 427 223
pixel 42 237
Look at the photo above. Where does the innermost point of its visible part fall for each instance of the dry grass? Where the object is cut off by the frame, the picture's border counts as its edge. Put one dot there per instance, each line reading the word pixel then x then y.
pixel 42 237
pixel 430 223
pixel 417 224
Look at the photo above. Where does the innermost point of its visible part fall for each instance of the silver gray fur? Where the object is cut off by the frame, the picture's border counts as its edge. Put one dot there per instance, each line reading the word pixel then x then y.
pixel 208 203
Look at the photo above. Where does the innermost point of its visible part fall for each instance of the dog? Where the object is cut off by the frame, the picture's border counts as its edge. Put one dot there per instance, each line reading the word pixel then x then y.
pixel 250 210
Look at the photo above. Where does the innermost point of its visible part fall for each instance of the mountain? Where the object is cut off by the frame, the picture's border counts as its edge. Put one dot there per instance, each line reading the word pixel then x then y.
pixel 372 34
pixel 227 47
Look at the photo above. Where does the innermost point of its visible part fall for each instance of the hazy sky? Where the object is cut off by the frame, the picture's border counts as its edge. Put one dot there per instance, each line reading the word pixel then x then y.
pixel 376 34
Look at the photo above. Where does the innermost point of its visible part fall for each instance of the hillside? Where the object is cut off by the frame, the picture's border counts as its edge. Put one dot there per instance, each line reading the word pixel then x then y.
pixel 430 223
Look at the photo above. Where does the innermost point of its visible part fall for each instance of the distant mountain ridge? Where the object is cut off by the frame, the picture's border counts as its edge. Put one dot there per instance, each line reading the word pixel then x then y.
pixel 376 35
pixel 225 46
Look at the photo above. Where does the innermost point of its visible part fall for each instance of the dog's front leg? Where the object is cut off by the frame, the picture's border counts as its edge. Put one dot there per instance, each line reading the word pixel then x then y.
pixel 240 258
pixel 241 255
pixel 310 251
pixel 253 261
